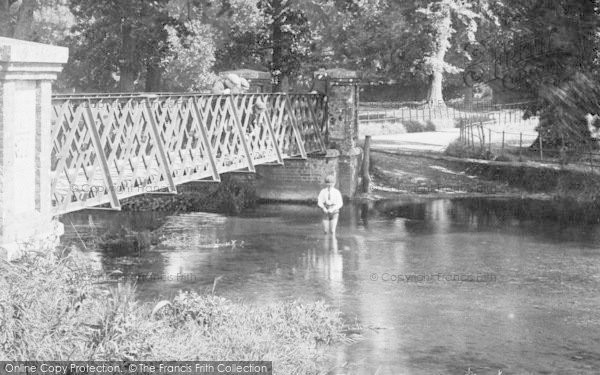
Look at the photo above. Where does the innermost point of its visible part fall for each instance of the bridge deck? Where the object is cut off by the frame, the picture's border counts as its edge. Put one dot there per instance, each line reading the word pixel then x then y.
pixel 108 148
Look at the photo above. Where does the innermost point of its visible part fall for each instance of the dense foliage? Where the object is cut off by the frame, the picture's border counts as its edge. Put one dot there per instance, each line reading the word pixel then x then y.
pixel 517 49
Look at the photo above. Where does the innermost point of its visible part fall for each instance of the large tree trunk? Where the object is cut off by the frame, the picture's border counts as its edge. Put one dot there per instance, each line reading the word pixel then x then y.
pixel 277 39
pixel 24 26
pixel 435 91
pixel 443 32
pixel 127 64
pixel 20 24
pixel 153 78
pixel 469 95
pixel 5 20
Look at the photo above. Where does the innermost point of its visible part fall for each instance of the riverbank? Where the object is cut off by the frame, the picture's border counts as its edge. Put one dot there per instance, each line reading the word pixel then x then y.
pixel 440 176
pixel 62 307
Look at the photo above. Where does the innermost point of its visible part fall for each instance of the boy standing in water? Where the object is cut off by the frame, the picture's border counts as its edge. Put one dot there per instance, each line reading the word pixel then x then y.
pixel 330 201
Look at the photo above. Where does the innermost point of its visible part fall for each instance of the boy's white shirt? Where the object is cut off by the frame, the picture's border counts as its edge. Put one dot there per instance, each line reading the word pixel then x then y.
pixel 336 198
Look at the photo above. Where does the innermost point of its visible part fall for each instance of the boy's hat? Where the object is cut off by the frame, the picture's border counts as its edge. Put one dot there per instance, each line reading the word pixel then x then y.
pixel 330 179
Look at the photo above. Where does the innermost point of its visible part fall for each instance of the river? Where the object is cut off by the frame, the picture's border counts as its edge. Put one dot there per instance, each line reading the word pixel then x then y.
pixel 439 286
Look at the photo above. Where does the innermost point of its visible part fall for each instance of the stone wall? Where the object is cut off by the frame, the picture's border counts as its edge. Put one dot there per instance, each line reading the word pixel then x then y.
pixel 348 172
pixel 297 179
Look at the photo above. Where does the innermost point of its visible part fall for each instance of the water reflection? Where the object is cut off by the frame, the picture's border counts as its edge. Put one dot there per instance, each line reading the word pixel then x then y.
pixel 538 314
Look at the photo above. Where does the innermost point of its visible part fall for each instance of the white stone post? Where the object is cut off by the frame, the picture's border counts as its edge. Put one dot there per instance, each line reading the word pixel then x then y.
pixel 26 73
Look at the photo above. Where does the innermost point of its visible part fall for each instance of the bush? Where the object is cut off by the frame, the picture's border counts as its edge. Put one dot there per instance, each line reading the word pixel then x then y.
pixel 231 195
pixel 460 150
pixel 414 126
pixel 562 111
pixel 234 195
pixel 51 308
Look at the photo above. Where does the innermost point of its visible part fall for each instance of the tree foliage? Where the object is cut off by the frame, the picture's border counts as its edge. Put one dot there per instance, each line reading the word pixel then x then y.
pixel 559 68
pixel 45 21
pixel 188 63
pixel 115 42
pixel 285 39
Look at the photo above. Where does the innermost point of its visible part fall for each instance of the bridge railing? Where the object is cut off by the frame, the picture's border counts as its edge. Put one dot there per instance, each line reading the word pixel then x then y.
pixel 108 147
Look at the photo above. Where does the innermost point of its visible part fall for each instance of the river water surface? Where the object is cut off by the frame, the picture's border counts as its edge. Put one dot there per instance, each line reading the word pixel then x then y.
pixel 438 286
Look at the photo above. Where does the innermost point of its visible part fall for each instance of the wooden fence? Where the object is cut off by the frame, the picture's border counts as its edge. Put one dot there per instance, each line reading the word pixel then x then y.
pixel 109 147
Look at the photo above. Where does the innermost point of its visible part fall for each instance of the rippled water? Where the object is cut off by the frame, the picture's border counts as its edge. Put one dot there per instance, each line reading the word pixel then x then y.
pixel 528 302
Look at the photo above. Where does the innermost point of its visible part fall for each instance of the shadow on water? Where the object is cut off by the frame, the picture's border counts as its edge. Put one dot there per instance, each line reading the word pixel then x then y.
pixel 439 286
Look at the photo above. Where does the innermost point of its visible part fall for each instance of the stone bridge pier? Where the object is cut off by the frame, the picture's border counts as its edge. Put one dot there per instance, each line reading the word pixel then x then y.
pixel 300 179
pixel 26 73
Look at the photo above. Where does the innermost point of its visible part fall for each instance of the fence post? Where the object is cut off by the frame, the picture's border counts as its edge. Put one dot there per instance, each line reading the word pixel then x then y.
pixel 366 177
pixel 490 141
pixel 481 132
pixel 541 148
pixel 503 140
pixel 520 143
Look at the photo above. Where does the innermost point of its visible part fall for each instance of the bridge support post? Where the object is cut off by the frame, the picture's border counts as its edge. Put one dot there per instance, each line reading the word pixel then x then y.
pixel 26 73
pixel 341 88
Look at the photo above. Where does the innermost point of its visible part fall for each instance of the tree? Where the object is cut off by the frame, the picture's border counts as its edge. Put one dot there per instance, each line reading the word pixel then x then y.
pixel 116 42
pixel 561 71
pixel 285 35
pixel 378 39
pixel 188 63
pixel 445 18
pixel 45 21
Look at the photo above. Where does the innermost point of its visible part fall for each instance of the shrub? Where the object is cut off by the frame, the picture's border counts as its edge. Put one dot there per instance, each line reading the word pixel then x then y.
pixel 414 126
pixel 231 196
pixel 460 150
pixel 562 111
pixel 430 127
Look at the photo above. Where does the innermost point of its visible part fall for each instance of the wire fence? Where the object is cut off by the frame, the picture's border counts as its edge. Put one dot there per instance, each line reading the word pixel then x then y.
pixel 483 139
pixel 450 115
pixel 485 130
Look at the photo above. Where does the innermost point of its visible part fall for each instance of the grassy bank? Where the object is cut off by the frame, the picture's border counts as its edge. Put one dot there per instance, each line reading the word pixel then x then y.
pixel 51 309
pixel 576 193
pixel 565 183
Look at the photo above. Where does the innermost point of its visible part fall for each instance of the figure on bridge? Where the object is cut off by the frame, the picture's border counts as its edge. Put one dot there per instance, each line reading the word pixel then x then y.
pixel 330 201
pixel 230 84
pixel 255 116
